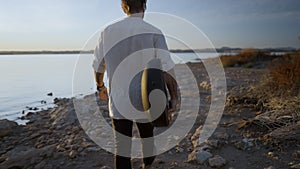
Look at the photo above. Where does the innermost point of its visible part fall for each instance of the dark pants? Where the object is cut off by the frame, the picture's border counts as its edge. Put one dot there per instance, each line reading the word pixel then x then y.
pixel 124 147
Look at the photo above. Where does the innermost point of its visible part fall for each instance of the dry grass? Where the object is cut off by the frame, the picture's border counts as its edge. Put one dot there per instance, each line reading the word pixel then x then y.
pixel 285 75
pixel 277 98
pixel 245 57
pixel 280 112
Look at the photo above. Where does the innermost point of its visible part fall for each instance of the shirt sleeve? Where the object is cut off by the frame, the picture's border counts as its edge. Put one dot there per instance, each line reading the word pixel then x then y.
pixel 98 62
pixel 162 52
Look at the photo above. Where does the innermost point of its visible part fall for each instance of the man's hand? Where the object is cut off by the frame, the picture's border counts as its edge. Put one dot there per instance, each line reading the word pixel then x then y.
pixel 102 91
pixel 172 88
pixel 103 94
pixel 172 105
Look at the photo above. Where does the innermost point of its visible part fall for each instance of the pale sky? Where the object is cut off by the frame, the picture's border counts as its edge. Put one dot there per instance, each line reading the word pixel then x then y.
pixel 68 24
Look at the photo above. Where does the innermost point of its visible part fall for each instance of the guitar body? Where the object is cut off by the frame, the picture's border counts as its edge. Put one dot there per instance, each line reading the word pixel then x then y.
pixel 152 79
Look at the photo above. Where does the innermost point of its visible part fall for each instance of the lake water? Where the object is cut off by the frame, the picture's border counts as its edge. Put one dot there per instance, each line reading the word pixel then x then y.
pixel 27 79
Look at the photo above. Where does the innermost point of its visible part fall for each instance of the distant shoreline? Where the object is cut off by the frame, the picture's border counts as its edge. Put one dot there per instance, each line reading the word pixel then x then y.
pixel 87 52
pixel 43 52
pixel 218 50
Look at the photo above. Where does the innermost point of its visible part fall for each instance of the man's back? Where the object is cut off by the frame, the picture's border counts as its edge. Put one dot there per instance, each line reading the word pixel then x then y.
pixel 127 46
pixel 123 38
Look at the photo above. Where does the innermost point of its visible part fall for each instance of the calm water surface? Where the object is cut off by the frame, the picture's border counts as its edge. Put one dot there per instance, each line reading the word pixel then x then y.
pixel 27 79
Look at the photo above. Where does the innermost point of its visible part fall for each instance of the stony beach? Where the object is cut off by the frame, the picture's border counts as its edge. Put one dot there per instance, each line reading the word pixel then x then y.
pixel 54 138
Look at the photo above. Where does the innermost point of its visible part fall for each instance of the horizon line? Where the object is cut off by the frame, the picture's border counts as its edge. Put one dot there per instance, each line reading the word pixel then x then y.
pixel 70 51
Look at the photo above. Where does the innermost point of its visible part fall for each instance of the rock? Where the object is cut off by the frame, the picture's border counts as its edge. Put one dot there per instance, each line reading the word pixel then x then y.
pixel 83 154
pixel 199 156
pixel 217 161
pixel 50 94
pixel 48 166
pixel 46 131
pixel 55 100
pixel 245 144
pixel 9 148
pixel 2 159
pixel 29 114
pixel 105 167
pixel 173 164
pixel 270 167
pixel 33 108
pixel 38 146
pixel 296 166
pixel 7 127
pixel 160 161
pixel 221 135
pixel 93 149
pixel 296 154
pixel 40 165
pixel 34 136
pixel 179 149
pixel 239 145
pixel 43 165
pixel 270 154
pixel 206 147
pixel 36 160
pixel 190 149
pixel 213 143
pixel 73 154
pixel 68 146
pixel 248 142
pixel 23 157
pixel 208 98
pixel 86 144
pixel 59 155
pixel 80 149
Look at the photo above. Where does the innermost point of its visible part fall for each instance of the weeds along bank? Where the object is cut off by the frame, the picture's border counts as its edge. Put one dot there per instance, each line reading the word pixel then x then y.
pixel 276 98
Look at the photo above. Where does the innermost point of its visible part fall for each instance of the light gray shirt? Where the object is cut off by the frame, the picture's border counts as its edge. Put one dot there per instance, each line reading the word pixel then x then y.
pixel 124 49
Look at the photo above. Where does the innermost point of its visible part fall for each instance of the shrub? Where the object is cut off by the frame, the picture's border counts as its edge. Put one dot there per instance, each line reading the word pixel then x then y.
pixel 245 57
pixel 228 60
pixel 285 75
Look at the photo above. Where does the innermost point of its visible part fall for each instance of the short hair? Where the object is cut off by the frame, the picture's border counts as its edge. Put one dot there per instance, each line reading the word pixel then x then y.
pixel 133 6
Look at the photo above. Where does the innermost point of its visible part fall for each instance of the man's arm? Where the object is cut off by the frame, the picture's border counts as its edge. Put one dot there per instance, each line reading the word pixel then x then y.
pixel 163 54
pixel 99 79
pixel 102 91
pixel 99 66
pixel 172 88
